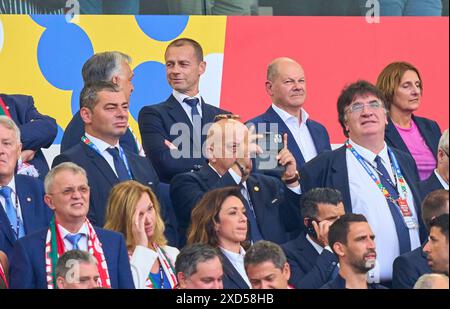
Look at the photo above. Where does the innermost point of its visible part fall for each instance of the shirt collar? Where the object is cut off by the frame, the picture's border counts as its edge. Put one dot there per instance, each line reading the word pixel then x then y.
pixel 441 180
pixel 286 117
pixel 233 256
pixel 369 155
pixel 83 230
pixel 316 246
pixel 100 144
pixel 180 97
pixel 12 184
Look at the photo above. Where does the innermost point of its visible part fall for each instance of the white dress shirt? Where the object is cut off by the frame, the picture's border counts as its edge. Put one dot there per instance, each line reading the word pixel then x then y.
pixel 187 108
pixel 237 260
pixel 441 180
pixel 367 199
pixel 14 199
pixel 300 132
pixel 82 243
pixel 102 146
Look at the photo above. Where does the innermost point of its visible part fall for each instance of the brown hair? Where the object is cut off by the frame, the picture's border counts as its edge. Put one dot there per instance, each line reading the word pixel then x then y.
pixel 122 206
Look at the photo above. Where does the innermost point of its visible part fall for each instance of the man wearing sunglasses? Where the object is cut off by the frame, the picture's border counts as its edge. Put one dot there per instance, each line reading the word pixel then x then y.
pixel 374 179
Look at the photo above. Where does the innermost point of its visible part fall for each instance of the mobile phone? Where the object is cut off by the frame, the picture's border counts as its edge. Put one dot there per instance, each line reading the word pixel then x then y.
pixel 271 143
pixel 310 228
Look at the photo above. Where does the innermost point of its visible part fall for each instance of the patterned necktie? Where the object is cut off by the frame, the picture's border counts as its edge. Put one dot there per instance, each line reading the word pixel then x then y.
pixel 255 233
pixel 121 170
pixel 74 239
pixel 400 226
pixel 14 220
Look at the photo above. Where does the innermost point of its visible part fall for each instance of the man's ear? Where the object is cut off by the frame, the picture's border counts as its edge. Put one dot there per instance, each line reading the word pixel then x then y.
pixel 49 202
pixel 181 280
pixel 202 67
pixel 86 115
pixel 338 248
pixel 60 283
pixel 287 271
pixel 269 87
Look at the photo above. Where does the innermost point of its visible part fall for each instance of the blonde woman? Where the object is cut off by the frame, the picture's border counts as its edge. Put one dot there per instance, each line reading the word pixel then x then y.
pixel 134 211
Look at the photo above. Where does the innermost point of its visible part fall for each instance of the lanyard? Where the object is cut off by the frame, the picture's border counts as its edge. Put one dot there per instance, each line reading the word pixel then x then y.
pixel 91 145
pixel 401 202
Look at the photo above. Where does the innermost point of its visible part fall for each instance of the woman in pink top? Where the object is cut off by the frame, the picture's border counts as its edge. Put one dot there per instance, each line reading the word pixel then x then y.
pixel 402 87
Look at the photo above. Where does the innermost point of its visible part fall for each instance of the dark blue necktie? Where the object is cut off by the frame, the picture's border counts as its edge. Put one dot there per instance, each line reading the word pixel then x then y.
pixel 196 122
pixel 400 226
pixel 255 233
pixel 193 104
pixel 11 212
pixel 121 170
pixel 74 239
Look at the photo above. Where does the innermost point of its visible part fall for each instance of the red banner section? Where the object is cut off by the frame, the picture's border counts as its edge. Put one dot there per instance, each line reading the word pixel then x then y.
pixel 333 51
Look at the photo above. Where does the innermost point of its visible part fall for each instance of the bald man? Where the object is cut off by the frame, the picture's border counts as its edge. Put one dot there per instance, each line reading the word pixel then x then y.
pixel 286 86
pixel 271 205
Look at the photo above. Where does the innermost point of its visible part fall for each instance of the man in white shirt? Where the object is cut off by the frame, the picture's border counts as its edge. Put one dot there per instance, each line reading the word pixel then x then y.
pixel 286 85
pixel 375 181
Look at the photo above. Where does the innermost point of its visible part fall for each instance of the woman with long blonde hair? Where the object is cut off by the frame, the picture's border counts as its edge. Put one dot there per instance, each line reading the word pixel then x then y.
pixel 134 211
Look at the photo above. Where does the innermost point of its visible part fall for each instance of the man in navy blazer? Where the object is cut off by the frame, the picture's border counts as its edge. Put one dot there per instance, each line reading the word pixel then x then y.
pixel 364 159
pixel 67 194
pixel 104 110
pixel 312 261
pixel 272 207
pixel 37 130
pixel 173 131
pixel 410 266
pixel 286 86
pixel 24 195
pixel 106 66
pixel 439 178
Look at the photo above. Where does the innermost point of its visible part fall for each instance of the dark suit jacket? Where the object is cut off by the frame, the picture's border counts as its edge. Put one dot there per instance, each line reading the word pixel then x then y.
pixel 339 284
pixel 429 130
pixel 231 278
pixel 309 270
pixel 37 131
pixel 408 267
pixel 318 133
pixel 329 169
pixel 75 130
pixel 102 178
pixel 35 212
pixel 27 270
pixel 276 207
pixel 428 185
pixel 155 123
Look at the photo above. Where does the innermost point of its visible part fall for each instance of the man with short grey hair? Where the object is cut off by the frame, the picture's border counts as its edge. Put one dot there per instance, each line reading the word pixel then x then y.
pixel 77 269
pixel 22 207
pixel 432 281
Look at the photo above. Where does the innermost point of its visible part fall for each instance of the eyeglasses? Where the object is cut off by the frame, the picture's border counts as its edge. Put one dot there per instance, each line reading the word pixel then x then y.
pixel 358 107
pixel 226 116
pixel 71 190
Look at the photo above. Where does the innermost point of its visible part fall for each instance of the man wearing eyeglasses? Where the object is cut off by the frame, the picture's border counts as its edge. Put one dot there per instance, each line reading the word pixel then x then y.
pixel 34 258
pixel 22 207
pixel 439 178
pixel 374 179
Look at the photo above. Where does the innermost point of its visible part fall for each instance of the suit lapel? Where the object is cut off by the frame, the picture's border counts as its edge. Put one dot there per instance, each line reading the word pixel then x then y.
pixel 257 199
pixel 394 138
pixel 272 117
pixel 232 273
pixel 339 177
pixel 26 205
pixel 208 115
pixel 5 225
pixel 101 164
pixel 307 251
pixel 315 134
pixel 178 114
pixel 426 134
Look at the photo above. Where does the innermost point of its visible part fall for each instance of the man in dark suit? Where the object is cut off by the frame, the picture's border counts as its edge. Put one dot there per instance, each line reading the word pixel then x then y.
pixel 34 257
pixel 104 110
pixel 439 178
pixel 107 66
pixel 410 266
pixel 22 207
pixel 352 240
pixel 312 261
pixel 286 86
pixel 272 206
pixel 374 180
pixel 173 131
pixel 37 130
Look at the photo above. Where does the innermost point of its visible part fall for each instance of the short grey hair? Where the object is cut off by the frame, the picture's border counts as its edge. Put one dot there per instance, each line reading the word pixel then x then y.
pixel 103 66
pixel 65 166
pixel 265 251
pixel 8 123
pixel 426 281
pixel 443 141
pixel 190 256
pixel 69 258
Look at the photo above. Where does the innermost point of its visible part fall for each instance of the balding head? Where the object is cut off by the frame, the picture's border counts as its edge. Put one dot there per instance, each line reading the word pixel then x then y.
pixel 278 64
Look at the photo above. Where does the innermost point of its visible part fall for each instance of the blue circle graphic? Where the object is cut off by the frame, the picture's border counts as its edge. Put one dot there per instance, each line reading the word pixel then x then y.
pixel 150 86
pixel 162 28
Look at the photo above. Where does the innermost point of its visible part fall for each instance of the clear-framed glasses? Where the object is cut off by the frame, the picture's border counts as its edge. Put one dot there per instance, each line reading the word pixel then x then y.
pixel 358 107
pixel 69 191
